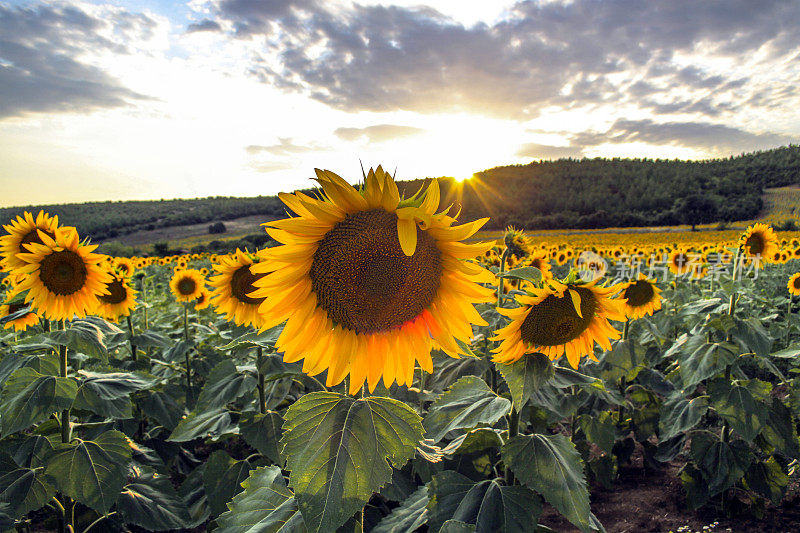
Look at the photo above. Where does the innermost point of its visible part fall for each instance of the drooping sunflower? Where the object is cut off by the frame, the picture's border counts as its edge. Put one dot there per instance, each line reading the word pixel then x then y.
pixel 369 282
pixel 203 300
pixel 63 277
pixel 187 284
pixel 640 297
pixel 794 284
pixel 759 241
pixel 21 231
pixel 120 300
pixel 21 323
pixel 539 260
pixel 517 244
pixel 232 285
pixel 560 318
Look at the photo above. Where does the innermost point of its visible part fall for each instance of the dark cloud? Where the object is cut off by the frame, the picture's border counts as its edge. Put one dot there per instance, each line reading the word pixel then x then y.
pixel 377 133
pixel 39 71
pixel 569 54
pixel 285 146
pixel 203 25
pixel 712 137
pixel 544 151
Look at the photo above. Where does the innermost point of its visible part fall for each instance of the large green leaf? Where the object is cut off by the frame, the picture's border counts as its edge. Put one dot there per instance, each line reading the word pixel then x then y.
pixel 492 507
pixel 150 339
pixel 600 429
pixel 529 273
pixel 701 360
pixel 680 415
pixel 85 336
pixel 768 479
pixel 224 385
pixel 265 506
pixel 162 407
pixel 779 430
pixel 24 490
pixel 550 465
pixel 223 478
pixel 736 404
pixel 91 472
pixel 722 463
pixel 88 399
pixel 527 375
pixel 30 397
pixel 337 449
pixel 263 432
pixel 752 336
pixel 202 424
pixel 150 501
pixel 411 515
pixel 469 403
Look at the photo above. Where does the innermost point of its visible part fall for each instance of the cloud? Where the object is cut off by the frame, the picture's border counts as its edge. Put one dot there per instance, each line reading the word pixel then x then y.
pixel 40 69
pixel 566 54
pixel 203 25
pixel 377 133
pixel 284 147
pixel 544 151
pixel 713 137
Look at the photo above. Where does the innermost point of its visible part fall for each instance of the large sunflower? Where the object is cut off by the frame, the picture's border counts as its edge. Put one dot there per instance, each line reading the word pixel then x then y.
pixel 640 297
pixel 233 283
pixel 370 282
pixel 759 241
pixel 794 284
pixel 21 231
pixel 560 319
pixel 187 284
pixel 120 300
pixel 62 277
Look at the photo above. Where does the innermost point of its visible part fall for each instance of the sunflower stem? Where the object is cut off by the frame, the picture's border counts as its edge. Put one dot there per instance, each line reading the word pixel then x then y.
pixel 133 346
pixel 359 526
pixel 189 394
pixel 625 329
pixel 262 401
pixel 500 274
pixel 513 431
pixel 788 317
pixel 66 430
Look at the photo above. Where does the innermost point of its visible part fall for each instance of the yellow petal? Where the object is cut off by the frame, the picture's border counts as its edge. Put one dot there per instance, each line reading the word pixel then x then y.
pixel 407 233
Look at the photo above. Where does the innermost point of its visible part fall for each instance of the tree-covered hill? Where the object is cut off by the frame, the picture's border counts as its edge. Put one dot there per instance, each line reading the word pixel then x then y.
pixel 567 193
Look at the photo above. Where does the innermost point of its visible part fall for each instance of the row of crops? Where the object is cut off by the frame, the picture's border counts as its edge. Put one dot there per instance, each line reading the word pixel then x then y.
pixel 381 371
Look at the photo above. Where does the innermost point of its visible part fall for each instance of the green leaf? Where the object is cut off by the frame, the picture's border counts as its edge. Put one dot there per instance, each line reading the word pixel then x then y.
pixel 84 336
pixel 550 465
pixel 30 397
pixel 263 432
pixel 411 515
pixel 150 501
pixel 202 424
pixel 193 492
pixel 752 336
pixel 24 490
pixel 222 479
pixel 792 352
pixel 88 399
pixel 705 361
pixel 265 506
pixel 224 385
pixel 474 440
pixel 91 472
pixel 456 526
pixel 722 463
pixel 599 429
pixel 532 274
pixel 469 403
pixel 337 449
pixel 567 377
pixel 113 385
pixel 33 451
pixel 768 479
pixel 251 339
pixel 736 404
pixel 680 415
pixel 779 430
pixel 150 339
pixel 179 351
pixel 492 507
pixel 526 376
pixel 162 407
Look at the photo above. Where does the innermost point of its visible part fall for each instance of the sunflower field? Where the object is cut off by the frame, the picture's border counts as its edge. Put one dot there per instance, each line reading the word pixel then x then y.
pixel 385 369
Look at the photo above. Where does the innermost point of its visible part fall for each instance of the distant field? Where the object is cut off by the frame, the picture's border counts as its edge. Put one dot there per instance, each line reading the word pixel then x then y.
pixel 194 233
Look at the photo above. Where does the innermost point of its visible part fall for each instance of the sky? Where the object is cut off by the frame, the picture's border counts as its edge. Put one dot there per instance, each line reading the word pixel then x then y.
pixel 122 100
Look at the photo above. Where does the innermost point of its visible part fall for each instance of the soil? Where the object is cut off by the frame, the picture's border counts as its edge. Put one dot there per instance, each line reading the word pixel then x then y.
pixel 653 501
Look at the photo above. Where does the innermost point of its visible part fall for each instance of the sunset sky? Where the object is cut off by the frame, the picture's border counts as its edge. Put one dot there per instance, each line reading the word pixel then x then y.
pixel 116 100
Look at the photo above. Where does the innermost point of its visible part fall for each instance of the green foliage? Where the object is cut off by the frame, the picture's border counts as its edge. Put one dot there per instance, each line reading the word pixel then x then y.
pixel 469 403
pixel 30 397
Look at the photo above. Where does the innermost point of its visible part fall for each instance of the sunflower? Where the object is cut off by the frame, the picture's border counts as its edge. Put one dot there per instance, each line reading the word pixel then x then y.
pixel 539 260
pixel 21 231
pixel 124 266
pixel 20 323
pixel 187 284
pixel 759 241
pixel 680 262
pixel 794 284
pixel 560 319
pixel 62 277
pixel 517 244
pixel 234 282
pixel 370 281
pixel 120 300
pixel 640 297
pixel 203 300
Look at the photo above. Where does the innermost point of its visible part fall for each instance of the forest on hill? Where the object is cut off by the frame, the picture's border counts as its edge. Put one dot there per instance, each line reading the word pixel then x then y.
pixel 565 193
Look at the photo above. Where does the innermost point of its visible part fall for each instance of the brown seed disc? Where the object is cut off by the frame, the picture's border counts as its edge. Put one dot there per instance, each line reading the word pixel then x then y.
pixel 640 293
pixel 186 286
pixel 117 293
pixel 755 244
pixel 796 283
pixel 63 273
pixel 33 237
pixel 554 321
pixel 243 283
pixel 365 282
